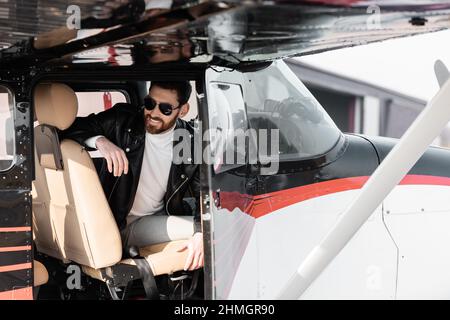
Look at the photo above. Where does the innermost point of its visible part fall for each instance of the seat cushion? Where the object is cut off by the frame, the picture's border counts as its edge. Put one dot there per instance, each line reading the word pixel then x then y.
pixel 40 274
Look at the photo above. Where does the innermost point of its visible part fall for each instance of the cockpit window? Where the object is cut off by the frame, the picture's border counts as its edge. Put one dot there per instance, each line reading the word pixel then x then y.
pixel 277 99
pixel 7 141
pixel 269 105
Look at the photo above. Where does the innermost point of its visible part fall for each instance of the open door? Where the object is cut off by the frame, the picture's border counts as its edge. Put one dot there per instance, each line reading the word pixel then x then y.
pixel 258 119
pixel 228 232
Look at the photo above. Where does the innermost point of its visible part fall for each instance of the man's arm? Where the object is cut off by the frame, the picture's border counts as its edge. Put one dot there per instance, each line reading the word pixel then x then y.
pixel 92 142
pixel 96 131
pixel 84 128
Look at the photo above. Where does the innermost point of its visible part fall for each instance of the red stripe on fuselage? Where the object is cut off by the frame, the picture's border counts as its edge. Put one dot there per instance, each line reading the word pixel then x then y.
pixel 261 205
pixel 425 180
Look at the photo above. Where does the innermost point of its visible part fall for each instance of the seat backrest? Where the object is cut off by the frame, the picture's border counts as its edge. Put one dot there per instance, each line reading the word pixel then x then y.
pixel 71 216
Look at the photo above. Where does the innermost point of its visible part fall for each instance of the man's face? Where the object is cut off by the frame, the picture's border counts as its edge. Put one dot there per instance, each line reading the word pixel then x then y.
pixel 155 121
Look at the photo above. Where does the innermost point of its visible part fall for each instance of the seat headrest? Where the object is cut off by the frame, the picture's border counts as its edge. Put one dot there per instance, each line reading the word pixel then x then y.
pixel 55 104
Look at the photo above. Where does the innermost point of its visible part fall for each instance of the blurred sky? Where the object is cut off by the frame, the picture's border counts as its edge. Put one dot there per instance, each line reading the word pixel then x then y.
pixel 405 65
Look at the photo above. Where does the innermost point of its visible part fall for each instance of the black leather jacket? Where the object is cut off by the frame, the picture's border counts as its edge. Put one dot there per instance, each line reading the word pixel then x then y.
pixel 124 127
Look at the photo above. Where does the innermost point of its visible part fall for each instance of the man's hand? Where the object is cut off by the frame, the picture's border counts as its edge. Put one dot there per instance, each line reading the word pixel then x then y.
pixel 115 157
pixel 194 259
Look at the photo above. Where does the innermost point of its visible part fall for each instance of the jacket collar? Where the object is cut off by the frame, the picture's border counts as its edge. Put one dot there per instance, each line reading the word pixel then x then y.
pixel 137 125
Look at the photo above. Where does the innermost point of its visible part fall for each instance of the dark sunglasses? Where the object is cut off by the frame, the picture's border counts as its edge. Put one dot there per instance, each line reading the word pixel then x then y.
pixel 165 108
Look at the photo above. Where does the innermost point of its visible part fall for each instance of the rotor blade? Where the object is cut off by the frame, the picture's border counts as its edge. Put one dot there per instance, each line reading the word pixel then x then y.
pixel 441 71
pixel 389 173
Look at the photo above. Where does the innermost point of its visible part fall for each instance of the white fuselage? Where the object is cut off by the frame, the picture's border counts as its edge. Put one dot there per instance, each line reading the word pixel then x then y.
pixel 399 253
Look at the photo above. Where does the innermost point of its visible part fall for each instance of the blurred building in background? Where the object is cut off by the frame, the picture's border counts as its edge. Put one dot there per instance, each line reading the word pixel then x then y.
pixel 360 107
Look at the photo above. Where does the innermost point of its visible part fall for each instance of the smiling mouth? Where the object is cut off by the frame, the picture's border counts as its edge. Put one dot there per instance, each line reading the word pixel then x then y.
pixel 150 120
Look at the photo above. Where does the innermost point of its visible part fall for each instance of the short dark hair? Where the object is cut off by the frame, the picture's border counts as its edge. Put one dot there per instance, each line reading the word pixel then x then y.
pixel 183 89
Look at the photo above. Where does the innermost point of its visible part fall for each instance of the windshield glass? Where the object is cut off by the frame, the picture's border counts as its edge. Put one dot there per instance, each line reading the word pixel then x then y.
pixel 272 110
pixel 277 99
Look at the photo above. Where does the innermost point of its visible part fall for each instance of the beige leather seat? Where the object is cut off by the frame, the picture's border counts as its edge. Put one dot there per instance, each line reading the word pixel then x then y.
pixel 40 274
pixel 71 216
pixel 71 213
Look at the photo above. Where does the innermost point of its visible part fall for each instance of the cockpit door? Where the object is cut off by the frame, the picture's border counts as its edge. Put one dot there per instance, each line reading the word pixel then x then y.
pixel 16 276
pixel 273 198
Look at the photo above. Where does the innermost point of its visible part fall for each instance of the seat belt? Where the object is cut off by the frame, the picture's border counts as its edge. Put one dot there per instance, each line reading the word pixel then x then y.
pixel 145 271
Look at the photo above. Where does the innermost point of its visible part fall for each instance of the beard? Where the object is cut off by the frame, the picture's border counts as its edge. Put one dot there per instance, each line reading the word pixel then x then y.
pixel 155 125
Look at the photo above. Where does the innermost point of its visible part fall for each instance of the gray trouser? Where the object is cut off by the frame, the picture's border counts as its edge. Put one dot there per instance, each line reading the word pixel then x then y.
pixel 157 228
